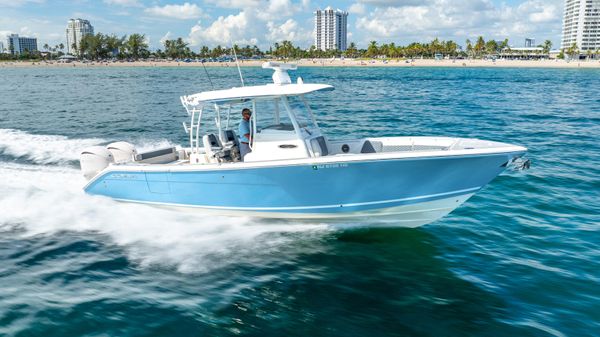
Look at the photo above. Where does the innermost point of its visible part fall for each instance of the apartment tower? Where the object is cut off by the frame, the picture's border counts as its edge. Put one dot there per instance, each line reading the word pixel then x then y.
pixel 76 30
pixel 19 45
pixel 331 29
pixel 581 25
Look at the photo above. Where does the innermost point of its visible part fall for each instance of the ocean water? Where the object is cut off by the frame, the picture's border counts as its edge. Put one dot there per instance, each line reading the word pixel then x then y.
pixel 520 258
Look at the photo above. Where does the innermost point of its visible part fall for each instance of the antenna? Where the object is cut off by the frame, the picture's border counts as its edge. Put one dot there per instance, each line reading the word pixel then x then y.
pixel 207 75
pixel 237 63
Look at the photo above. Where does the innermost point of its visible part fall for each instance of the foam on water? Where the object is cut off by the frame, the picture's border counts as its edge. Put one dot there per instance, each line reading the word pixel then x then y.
pixel 43 149
pixel 45 200
pixel 55 149
pixel 143 145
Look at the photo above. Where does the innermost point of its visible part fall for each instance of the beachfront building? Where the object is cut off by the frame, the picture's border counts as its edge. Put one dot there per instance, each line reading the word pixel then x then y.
pixel 18 45
pixel 76 30
pixel 581 25
pixel 523 53
pixel 1 48
pixel 331 29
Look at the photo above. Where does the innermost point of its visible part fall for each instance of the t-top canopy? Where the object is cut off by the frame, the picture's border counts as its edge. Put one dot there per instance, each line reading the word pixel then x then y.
pixel 240 94
pixel 282 86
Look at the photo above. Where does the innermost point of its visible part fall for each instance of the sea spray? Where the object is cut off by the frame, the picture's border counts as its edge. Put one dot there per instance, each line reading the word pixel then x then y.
pixel 61 150
pixel 42 149
pixel 45 200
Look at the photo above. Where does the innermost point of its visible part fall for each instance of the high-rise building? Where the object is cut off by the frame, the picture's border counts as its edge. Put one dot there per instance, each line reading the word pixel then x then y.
pixel 76 30
pixel 18 45
pixel 1 48
pixel 529 43
pixel 581 24
pixel 331 29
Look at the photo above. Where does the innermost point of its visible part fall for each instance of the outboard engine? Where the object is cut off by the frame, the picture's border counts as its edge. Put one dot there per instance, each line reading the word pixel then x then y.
pixel 94 159
pixel 122 152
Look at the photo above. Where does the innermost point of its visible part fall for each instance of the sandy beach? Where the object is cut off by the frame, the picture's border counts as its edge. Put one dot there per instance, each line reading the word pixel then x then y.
pixel 556 63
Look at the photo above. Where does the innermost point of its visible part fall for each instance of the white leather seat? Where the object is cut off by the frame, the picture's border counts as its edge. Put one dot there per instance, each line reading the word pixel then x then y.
pixel 213 148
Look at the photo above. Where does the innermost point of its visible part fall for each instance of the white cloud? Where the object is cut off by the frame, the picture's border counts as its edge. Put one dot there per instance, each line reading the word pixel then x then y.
pixel 184 12
pixel 224 31
pixel 124 3
pixel 286 31
pixel 262 26
pixel 18 3
pixel 395 3
pixel 242 4
pixel 540 11
pixel 166 37
pixel 357 8
pixel 410 21
pixel 265 9
pixel 46 31
pixel 25 31
pixel 282 7
pixel 4 34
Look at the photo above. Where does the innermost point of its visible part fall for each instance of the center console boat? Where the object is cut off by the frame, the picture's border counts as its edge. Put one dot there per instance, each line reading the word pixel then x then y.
pixel 293 169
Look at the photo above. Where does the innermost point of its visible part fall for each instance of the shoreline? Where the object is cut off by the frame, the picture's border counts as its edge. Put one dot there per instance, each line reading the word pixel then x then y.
pixel 400 63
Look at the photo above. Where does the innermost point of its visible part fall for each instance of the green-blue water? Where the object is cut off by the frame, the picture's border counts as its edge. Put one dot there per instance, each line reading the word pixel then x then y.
pixel 521 258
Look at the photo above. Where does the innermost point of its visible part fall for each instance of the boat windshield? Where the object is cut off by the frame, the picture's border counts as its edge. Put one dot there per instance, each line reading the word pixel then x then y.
pixel 302 112
pixel 270 114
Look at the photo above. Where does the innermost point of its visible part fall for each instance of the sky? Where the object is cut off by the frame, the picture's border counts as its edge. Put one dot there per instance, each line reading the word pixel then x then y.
pixel 263 22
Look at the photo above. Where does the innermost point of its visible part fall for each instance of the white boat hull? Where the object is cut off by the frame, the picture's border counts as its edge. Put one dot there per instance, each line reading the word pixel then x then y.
pixel 410 216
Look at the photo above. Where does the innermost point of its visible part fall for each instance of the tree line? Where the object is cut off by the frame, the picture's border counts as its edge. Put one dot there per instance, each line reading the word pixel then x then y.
pixel 135 46
pixel 100 46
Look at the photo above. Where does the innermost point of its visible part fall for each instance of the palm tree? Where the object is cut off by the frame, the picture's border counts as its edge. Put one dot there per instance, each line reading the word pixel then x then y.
pixel 450 48
pixel 491 47
pixel 83 45
pixel 479 46
pixel 469 47
pixel 114 44
pixel 204 51
pixel 435 47
pixel 392 50
pixel 91 45
pixel 168 48
pixel 384 50
pixel 547 46
pixel 372 50
pixel 351 50
pixel 572 50
pixel 137 45
pixel 287 49
pixel 179 48
pixel 217 51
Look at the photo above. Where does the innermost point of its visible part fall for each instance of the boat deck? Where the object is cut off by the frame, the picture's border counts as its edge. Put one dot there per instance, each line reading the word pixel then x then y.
pixel 338 148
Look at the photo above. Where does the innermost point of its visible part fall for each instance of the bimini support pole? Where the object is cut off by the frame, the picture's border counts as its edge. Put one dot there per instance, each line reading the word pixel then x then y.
pixel 253 134
pixel 237 63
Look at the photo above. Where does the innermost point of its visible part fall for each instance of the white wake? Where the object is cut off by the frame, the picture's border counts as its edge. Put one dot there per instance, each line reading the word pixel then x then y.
pixel 45 200
pixel 55 149
pixel 43 149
